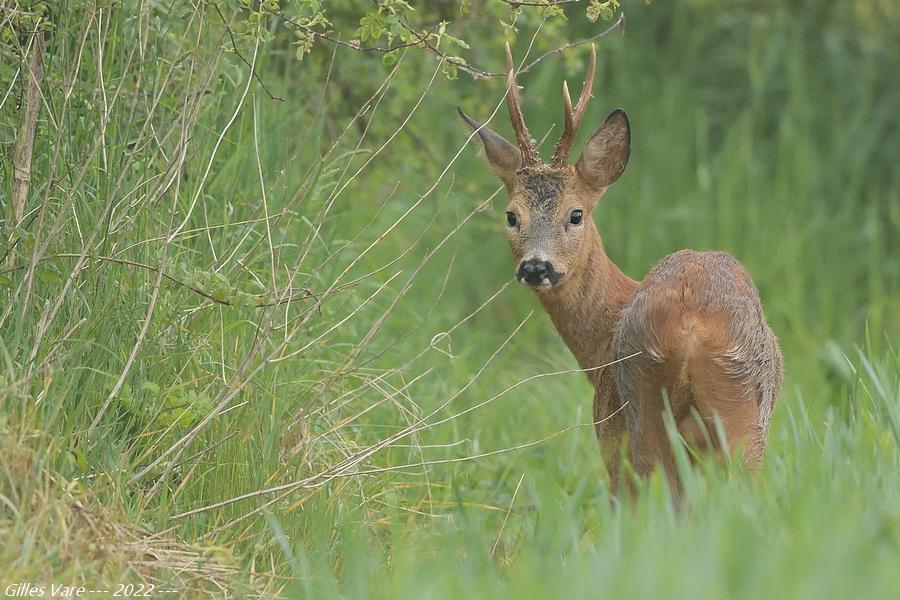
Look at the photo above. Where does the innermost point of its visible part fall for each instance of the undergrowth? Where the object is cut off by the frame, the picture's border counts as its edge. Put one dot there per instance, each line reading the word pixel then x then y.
pixel 257 335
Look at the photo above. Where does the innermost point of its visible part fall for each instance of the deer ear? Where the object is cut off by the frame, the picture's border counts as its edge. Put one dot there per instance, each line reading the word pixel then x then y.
pixel 606 152
pixel 503 158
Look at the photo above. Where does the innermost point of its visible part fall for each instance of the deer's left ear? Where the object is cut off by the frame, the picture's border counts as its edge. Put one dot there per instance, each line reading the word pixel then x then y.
pixel 606 152
pixel 503 158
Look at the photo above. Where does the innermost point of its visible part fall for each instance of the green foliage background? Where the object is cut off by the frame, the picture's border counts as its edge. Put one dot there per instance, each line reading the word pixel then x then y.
pixel 293 266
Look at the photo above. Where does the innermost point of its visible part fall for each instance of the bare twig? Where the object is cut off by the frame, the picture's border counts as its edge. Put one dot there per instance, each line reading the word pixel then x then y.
pixel 241 56
pixel 459 64
pixel 25 138
pixel 620 22
pixel 506 517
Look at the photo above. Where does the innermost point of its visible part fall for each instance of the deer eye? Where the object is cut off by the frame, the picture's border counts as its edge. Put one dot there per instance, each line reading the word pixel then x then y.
pixel 576 217
pixel 511 219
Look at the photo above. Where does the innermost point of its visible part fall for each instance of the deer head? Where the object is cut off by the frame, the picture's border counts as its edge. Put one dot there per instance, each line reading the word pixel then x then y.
pixel 548 216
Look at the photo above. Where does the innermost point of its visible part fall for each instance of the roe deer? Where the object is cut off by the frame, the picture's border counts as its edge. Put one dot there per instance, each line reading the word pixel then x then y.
pixel 695 323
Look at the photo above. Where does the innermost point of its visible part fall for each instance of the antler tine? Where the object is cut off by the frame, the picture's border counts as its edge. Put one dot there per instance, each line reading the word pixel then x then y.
pixel 526 142
pixel 573 116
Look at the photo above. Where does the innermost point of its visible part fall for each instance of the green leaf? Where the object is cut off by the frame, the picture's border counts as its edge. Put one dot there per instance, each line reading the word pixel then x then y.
pixel 450 71
pixel 389 59
pixel 597 9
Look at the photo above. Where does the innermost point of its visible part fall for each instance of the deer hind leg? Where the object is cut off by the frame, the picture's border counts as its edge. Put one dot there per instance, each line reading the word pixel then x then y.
pixel 653 396
pixel 610 426
pixel 701 388
pixel 717 395
pixel 694 409
pixel 702 346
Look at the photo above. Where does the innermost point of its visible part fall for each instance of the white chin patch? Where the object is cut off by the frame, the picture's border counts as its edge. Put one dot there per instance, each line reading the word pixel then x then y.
pixel 545 283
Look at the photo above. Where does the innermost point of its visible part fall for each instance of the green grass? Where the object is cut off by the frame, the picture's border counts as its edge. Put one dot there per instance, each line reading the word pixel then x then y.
pixel 770 133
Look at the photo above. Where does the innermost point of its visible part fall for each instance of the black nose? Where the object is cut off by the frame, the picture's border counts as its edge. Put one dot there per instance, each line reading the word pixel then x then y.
pixel 535 271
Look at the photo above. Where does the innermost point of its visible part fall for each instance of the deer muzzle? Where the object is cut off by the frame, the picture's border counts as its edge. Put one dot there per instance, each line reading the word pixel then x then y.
pixel 538 273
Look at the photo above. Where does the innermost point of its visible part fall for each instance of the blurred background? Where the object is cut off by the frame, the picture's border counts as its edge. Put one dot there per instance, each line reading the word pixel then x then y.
pixel 254 260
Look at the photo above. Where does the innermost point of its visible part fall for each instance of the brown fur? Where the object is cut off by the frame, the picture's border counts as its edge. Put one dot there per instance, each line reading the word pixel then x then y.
pixel 694 328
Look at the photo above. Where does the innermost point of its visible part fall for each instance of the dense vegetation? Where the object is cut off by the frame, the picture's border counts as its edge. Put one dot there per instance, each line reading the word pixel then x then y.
pixel 256 325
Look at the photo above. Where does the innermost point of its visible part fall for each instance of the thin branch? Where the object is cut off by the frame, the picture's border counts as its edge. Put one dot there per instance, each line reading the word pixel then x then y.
pixel 506 517
pixel 620 22
pixel 459 64
pixel 241 56
pixel 325 36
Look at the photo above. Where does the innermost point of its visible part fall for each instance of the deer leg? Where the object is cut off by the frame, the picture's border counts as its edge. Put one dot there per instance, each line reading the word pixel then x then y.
pixel 609 422
pixel 736 405
pixel 650 443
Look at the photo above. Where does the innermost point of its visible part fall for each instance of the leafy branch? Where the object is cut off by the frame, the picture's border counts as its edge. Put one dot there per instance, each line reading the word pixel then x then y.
pixel 391 21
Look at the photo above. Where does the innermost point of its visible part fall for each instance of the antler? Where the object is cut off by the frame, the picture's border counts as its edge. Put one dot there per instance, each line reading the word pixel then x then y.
pixel 526 142
pixel 573 117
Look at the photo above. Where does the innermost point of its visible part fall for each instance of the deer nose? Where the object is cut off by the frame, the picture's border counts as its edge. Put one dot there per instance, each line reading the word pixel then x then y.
pixel 534 271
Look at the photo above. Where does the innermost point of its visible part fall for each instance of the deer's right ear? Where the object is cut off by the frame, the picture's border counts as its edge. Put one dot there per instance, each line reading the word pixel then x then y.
pixel 503 158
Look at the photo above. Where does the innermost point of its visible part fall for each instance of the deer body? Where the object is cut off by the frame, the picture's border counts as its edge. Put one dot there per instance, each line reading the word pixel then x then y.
pixel 689 343
pixel 694 330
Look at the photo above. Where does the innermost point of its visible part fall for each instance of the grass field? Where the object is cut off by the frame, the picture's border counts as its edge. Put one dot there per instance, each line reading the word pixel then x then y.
pixel 258 335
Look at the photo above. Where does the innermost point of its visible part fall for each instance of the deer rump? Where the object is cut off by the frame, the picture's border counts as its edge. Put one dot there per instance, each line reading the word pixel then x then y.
pixel 703 346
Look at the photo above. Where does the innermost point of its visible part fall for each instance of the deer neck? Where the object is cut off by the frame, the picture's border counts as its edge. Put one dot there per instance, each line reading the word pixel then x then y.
pixel 585 306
